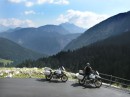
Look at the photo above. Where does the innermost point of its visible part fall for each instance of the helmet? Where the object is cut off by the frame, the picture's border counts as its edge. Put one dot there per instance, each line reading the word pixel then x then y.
pixel 88 64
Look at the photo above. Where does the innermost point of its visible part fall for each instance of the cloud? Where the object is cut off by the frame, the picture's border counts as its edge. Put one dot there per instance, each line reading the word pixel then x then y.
pixel 13 22
pixel 29 3
pixel 44 1
pixel 61 2
pixel 15 1
pixel 84 19
pixel 64 2
pixel 29 12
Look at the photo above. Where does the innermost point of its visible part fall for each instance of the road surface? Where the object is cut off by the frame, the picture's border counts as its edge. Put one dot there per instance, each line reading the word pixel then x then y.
pixel 42 88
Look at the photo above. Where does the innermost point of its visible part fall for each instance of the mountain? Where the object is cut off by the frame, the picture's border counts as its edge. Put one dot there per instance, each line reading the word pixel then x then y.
pixel 54 29
pixel 72 28
pixel 110 56
pixel 13 29
pixel 109 27
pixel 48 39
pixel 3 28
pixel 12 51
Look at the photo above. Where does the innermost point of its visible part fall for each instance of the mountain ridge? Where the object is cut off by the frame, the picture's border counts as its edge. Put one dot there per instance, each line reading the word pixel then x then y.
pixel 112 26
pixel 47 39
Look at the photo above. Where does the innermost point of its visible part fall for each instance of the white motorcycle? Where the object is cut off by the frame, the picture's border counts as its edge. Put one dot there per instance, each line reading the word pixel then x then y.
pixel 94 79
pixel 57 74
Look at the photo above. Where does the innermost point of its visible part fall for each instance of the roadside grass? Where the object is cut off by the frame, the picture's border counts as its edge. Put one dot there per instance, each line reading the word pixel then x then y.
pixel 119 85
pixel 27 73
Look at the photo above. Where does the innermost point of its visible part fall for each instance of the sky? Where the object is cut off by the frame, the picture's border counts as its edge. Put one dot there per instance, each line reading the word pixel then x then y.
pixel 35 13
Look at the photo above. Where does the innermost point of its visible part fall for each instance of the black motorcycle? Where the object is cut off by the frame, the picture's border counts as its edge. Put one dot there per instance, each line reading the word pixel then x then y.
pixel 57 74
pixel 93 79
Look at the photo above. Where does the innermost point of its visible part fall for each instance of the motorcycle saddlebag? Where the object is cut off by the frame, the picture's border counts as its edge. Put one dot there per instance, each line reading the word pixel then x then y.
pixel 47 72
pixel 79 76
pixel 81 72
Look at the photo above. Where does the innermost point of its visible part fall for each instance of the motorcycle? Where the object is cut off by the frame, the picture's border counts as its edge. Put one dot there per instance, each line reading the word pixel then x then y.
pixel 93 78
pixel 57 74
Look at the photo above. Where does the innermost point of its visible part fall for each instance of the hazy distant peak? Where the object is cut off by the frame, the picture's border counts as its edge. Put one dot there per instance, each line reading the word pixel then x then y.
pixel 67 23
pixel 3 28
pixel 72 28
pixel 49 25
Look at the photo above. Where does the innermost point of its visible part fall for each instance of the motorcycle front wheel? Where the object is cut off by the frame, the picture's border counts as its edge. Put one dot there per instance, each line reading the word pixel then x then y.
pixel 98 83
pixel 64 78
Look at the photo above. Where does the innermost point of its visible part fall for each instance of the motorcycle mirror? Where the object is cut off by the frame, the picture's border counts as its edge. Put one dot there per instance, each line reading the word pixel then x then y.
pixel 97 72
pixel 63 68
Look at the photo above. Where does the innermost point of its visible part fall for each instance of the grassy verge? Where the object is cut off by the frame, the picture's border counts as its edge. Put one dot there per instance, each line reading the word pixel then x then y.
pixel 27 73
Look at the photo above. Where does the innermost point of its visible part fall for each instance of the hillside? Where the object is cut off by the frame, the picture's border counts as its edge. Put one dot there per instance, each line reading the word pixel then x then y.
pixel 109 27
pixel 110 56
pixel 48 39
pixel 12 51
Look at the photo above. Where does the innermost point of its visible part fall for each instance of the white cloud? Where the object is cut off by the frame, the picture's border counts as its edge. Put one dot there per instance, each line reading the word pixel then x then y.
pixel 30 3
pixel 13 22
pixel 15 1
pixel 84 19
pixel 64 2
pixel 44 1
pixel 29 12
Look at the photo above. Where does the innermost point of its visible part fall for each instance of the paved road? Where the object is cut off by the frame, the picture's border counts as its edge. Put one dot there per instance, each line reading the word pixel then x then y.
pixel 41 88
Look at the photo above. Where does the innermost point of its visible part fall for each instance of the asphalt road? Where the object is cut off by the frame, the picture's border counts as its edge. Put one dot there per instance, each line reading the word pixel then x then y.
pixel 42 88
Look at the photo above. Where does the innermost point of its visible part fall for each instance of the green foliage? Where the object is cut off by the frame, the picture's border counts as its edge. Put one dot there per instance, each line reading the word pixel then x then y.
pixel 3 75
pixel 12 51
pixel 112 60
pixel 4 62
